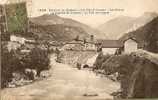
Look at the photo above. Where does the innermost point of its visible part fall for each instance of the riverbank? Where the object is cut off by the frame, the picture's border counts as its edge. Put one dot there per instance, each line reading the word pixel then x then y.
pixel 137 73
pixel 22 65
pixel 65 83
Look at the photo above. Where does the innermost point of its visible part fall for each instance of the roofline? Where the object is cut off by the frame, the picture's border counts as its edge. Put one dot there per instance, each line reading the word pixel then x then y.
pixel 131 39
pixel 112 46
pixel 74 43
pixel 108 40
pixel 91 42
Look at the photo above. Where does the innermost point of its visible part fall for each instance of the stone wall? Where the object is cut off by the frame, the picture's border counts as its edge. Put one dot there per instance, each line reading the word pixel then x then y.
pixel 73 57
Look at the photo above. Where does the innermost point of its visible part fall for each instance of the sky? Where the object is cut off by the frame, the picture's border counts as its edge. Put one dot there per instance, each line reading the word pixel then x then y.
pixel 133 8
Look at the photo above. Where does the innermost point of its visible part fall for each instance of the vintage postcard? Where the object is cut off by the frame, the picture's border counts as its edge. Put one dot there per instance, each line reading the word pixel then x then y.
pixel 79 49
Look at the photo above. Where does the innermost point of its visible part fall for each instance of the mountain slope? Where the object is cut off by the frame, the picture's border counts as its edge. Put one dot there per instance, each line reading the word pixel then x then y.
pixel 147 35
pixel 116 27
pixel 51 19
pixel 57 32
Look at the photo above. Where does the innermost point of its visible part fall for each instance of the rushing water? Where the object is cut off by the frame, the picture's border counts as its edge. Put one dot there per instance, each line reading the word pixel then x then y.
pixel 65 83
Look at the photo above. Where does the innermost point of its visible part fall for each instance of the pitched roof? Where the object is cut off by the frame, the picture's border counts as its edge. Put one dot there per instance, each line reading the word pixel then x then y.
pixel 55 44
pixel 111 43
pixel 140 44
pixel 74 42
pixel 130 37
pixel 90 42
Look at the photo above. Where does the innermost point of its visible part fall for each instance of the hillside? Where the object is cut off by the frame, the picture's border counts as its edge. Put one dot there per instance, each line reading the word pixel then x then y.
pixel 116 27
pixel 137 73
pixel 57 32
pixel 53 20
pixel 147 35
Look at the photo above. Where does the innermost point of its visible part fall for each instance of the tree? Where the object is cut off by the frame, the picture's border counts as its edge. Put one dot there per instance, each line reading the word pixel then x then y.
pixel 84 40
pixel 152 42
pixel 39 60
pixel 77 38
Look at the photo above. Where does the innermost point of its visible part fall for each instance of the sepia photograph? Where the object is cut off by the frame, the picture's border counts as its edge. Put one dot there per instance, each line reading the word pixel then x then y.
pixel 79 49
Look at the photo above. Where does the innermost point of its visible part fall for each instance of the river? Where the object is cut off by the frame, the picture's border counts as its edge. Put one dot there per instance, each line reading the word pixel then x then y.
pixel 65 83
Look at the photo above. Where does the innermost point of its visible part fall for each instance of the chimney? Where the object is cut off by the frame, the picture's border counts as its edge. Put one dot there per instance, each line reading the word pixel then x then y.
pixel 92 38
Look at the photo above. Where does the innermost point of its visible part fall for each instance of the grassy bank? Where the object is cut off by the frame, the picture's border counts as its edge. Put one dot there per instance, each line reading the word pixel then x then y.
pixel 137 73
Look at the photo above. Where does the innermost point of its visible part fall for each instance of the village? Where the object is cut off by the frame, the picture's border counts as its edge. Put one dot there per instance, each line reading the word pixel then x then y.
pixel 43 67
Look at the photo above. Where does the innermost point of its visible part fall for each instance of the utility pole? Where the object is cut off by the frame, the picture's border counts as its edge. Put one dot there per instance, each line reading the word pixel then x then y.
pixel 29 10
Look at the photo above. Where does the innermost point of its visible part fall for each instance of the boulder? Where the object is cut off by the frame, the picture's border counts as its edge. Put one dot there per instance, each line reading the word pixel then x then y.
pixel 45 74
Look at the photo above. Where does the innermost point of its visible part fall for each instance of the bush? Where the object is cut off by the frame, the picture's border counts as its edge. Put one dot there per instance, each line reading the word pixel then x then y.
pixel 5 68
pixel 137 75
pixel 38 59
pixel 15 61
pixel 10 63
pixel 100 60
